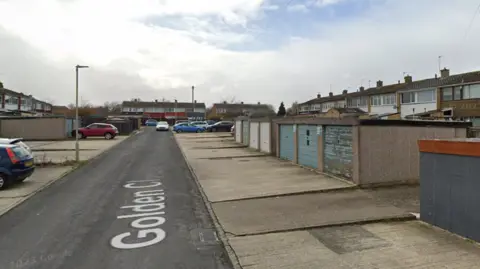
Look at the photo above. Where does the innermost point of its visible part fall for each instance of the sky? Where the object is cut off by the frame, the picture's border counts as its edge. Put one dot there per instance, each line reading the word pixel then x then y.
pixel 267 51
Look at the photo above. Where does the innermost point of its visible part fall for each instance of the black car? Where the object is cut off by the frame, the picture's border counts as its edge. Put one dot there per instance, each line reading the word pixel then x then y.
pixel 221 126
pixel 16 164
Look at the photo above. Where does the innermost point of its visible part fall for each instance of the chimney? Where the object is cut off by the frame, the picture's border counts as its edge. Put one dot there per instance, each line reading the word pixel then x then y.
pixel 156 100
pixel 224 102
pixel 241 103
pixel 319 95
pixel 408 79
pixel 344 92
pixel 195 101
pixel 379 84
pixel 436 75
pixel 444 72
pixel 258 103
pixel 362 88
pixel 330 94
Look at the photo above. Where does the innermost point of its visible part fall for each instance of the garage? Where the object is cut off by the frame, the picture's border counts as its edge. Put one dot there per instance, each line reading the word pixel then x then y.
pixel 238 132
pixel 245 132
pixel 287 145
pixel 308 145
pixel 338 151
pixel 265 137
pixel 254 139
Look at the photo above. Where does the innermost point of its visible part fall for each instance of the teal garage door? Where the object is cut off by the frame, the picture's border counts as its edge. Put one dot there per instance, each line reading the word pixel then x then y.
pixel 338 151
pixel 286 142
pixel 246 131
pixel 308 145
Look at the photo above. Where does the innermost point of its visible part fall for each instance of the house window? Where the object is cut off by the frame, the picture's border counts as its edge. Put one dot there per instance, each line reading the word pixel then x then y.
pixel 388 99
pixel 169 109
pixel 447 94
pixel 471 91
pixel 426 96
pixel 457 93
pixel 221 110
pixel 408 97
pixel 376 100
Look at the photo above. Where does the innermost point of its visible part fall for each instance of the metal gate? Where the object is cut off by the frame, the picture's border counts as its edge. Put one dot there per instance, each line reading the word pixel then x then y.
pixel 308 145
pixel 286 141
pixel 254 126
pixel 265 137
pixel 245 127
pixel 338 151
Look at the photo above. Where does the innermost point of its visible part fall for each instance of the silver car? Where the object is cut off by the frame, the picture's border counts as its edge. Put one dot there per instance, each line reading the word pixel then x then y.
pixel 162 126
pixel 203 124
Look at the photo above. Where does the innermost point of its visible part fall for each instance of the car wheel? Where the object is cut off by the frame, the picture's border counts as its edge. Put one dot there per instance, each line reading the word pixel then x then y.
pixel 198 131
pixel 179 131
pixel 4 181
pixel 108 136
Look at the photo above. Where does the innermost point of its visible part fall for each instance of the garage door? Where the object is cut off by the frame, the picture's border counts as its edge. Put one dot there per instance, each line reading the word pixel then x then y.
pixel 286 142
pixel 254 135
pixel 308 145
pixel 338 151
pixel 265 137
pixel 245 133
pixel 238 131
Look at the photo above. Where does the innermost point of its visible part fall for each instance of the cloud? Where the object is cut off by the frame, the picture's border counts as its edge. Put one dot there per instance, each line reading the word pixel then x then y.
pixel 298 7
pixel 153 49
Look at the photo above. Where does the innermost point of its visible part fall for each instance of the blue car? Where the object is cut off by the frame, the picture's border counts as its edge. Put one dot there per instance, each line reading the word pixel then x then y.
pixel 151 122
pixel 187 128
pixel 16 164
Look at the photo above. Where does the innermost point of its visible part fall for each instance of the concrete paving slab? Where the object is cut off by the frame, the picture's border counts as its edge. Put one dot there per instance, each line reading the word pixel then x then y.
pixel 286 213
pixel 221 153
pixel 405 197
pixel 243 178
pixel 380 245
pixel 64 151
pixel 41 178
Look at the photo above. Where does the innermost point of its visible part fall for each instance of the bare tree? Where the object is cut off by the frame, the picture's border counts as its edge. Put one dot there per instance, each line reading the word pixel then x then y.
pixel 293 109
pixel 113 107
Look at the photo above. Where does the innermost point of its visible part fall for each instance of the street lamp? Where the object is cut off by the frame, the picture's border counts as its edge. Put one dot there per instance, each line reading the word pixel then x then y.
pixel 175 112
pixel 77 147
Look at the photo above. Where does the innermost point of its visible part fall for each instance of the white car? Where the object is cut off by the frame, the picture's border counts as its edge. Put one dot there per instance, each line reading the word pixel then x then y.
pixel 203 124
pixel 16 141
pixel 162 126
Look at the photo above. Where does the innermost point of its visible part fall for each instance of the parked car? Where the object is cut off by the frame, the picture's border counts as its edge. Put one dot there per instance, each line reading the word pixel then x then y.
pixel 16 164
pixel 232 130
pixel 187 128
pixel 221 126
pixel 151 122
pixel 203 124
pixel 97 129
pixel 15 141
pixel 211 122
pixel 180 121
pixel 162 126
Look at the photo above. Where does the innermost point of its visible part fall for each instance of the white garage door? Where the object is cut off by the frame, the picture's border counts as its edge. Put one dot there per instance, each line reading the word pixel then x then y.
pixel 265 137
pixel 254 135
pixel 238 131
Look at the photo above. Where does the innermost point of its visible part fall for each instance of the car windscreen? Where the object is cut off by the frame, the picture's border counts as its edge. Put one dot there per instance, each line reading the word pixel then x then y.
pixel 162 123
pixel 20 152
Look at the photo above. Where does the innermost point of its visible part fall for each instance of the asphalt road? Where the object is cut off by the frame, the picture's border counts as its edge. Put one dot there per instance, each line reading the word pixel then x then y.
pixel 137 206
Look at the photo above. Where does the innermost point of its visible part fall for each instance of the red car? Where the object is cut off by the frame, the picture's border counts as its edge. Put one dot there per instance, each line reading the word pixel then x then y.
pixel 97 129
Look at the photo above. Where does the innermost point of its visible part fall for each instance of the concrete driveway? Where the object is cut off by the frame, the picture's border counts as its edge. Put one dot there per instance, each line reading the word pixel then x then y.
pixel 57 152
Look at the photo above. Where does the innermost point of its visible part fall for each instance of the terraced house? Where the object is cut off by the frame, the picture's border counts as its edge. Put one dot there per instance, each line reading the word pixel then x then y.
pixel 226 110
pixel 164 110
pixel 442 97
pixel 15 103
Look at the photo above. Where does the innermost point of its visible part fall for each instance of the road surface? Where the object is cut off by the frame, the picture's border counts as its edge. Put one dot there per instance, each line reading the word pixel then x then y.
pixel 136 206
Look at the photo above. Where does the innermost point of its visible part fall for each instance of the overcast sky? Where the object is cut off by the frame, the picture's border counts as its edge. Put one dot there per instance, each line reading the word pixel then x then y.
pixel 254 50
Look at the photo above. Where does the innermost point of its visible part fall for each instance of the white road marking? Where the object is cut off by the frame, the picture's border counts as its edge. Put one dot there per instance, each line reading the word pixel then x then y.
pixel 148 205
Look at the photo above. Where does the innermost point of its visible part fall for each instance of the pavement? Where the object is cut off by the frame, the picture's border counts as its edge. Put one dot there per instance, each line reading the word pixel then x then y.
pixel 135 206
pixel 59 152
pixel 274 214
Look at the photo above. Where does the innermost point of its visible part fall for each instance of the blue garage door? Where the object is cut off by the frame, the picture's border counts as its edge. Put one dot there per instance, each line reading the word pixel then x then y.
pixel 246 131
pixel 338 151
pixel 308 145
pixel 286 142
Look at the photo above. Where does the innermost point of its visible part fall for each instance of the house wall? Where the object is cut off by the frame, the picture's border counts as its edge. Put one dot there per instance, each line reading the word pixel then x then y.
pixel 386 109
pixel 34 128
pixel 389 154
pixel 409 109
pixel 420 104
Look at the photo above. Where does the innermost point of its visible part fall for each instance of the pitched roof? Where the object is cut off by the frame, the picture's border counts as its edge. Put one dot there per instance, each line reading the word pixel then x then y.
pixel 242 106
pixel 349 110
pixel 142 104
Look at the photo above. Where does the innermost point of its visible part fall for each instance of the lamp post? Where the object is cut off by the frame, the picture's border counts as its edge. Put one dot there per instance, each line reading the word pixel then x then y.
pixel 77 147
pixel 175 112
